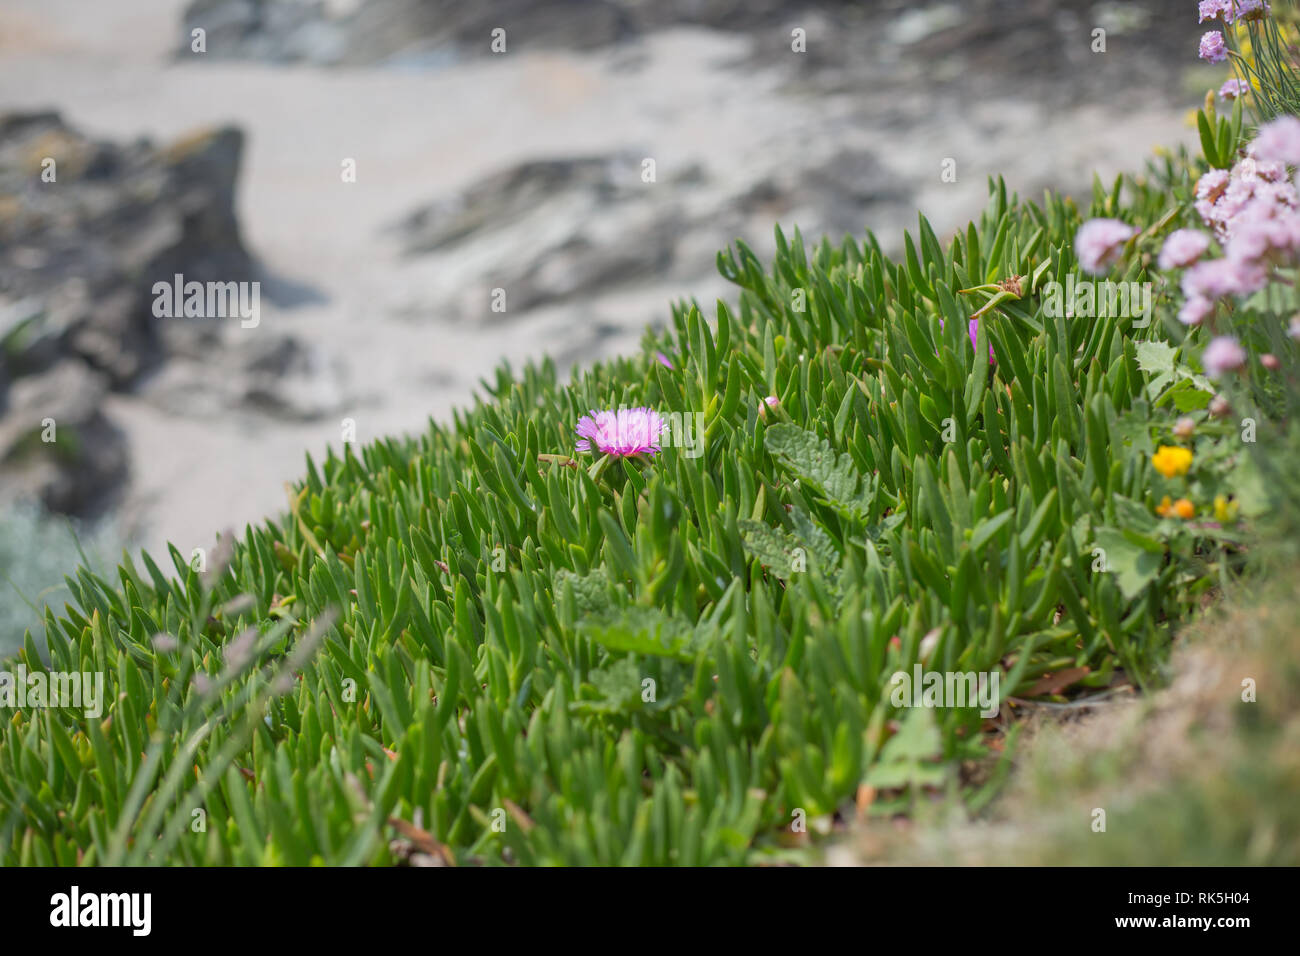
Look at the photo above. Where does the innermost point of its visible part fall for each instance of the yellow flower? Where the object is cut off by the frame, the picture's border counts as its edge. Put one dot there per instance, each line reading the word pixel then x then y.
pixel 1172 461
pixel 1225 511
pixel 1184 508
pixel 1164 507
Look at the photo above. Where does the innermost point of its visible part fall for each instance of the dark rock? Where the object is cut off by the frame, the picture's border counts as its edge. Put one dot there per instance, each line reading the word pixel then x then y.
pixel 56 444
pixel 80 250
pixel 89 245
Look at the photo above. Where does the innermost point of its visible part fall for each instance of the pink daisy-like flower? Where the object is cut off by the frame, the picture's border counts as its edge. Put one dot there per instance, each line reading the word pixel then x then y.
pixel 1279 141
pixel 624 433
pixel 1182 248
pixel 1222 355
pixel 1213 49
pixel 1234 88
pixel 1099 242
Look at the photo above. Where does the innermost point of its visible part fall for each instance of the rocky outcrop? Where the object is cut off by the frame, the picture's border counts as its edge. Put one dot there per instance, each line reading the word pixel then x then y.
pixel 975 46
pixel 439 32
pixel 86 230
pixel 90 227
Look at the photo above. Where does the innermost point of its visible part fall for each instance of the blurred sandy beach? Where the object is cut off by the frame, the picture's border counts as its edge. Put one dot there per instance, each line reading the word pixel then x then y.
pixel 388 335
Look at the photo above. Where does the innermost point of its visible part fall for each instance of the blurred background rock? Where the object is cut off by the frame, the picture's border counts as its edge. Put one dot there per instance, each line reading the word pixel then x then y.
pixel 475 170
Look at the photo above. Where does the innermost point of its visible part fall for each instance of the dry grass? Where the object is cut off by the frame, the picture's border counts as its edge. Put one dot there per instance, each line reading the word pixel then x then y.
pixel 1193 774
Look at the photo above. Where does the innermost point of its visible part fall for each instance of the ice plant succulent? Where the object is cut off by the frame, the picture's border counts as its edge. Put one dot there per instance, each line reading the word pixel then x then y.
pixel 625 433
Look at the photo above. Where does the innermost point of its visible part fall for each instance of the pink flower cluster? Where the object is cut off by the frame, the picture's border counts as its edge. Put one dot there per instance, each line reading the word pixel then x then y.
pixel 1214 48
pixel 1233 10
pixel 1253 211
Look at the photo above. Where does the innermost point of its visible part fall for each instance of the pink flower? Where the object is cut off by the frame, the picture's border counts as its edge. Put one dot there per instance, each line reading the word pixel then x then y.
pixel 1183 248
pixel 1195 310
pixel 1212 184
pixel 1234 88
pixel 663 360
pixel 1279 141
pixel 1246 10
pixel 1213 49
pixel 624 433
pixel 1216 278
pixel 1222 355
pixel 1213 9
pixel 974 329
pixel 1099 242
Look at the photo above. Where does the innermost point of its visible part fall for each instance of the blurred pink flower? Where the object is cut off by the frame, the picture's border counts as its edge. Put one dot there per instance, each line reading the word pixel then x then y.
pixel 1234 88
pixel 1222 355
pixel 1099 242
pixel 1183 248
pixel 1279 141
pixel 1195 310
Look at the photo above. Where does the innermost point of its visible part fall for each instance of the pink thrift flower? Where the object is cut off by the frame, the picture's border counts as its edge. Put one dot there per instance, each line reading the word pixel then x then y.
pixel 624 433
pixel 1216 278
pixel 1279 141
pixel 1242 10
pixel 1195 310
pixel 1212 184
pixel 1234 88
pixel 1183 248
pixel 1213 9
pixel 1099 242
pixel 1222 355
pixel 1213 49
